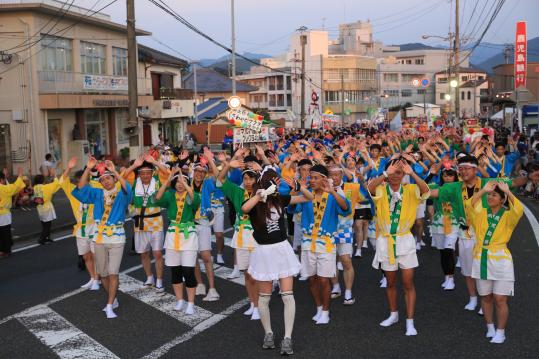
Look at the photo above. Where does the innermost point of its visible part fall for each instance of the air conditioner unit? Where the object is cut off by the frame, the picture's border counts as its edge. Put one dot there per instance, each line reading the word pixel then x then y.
pixel 17 115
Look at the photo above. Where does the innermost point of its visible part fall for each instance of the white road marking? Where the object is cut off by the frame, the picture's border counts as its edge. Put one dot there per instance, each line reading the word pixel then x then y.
pixel 163 302
pixel 216 318
pixel 533 222
pixel 62 337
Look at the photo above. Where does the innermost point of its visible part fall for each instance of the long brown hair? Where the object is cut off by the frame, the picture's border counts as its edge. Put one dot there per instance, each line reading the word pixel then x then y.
pixel 263 210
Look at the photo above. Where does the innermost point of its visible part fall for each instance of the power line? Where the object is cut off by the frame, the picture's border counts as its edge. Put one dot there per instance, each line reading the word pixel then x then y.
pixel 61 32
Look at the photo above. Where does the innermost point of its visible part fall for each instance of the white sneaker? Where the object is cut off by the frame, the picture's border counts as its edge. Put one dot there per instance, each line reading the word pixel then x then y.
pixel 458 263
pixel 180 305
pixel 450 284
pixel 339 266
pixel 324 318
pixel 88 285
pixel 95 285
pixel 110 313
pixel 392 319
pixel 383 282
pixel 445 282
pixel 471 305
pixel 480 312
pixel 201 289
pixel 423 244
pixel 498 338
pixel 190 309
pixel 115 305
pixel 418 246
pixel 234 274
pixel 317 315
pixel 358 252
pixel 250 310
pixel 160 289
pixel 149 282
pixel 220 259
pixel 335 294
pixel 410 328
pixel 255 315
pixel 212 296
pixel 302 278
pixel 365 244
pixel 491 332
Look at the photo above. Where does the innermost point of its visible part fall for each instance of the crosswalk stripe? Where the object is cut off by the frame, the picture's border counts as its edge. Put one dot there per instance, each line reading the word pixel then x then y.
pixel 62 337
pixel 216 318
pixel 222 272
pixel 163 302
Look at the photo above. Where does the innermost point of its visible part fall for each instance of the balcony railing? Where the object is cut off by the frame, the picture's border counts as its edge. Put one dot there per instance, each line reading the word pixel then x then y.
pixel 175 94
pixel 77 83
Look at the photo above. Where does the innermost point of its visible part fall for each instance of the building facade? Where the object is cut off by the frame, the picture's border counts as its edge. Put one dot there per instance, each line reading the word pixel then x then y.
pixel 63 91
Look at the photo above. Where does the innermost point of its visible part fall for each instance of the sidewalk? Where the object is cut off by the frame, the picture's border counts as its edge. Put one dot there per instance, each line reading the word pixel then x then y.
pixel 26 224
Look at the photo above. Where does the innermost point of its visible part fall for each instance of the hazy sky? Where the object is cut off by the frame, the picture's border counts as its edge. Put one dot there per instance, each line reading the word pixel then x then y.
pixel 264 26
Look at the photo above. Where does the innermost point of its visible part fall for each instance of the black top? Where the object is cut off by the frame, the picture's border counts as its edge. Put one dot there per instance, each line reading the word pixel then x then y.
pixel 274 230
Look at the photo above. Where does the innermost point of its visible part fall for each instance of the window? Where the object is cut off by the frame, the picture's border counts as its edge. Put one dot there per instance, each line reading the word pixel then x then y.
pixel 332 96
pixel 280 99
pixel 469 95
pixel 121 116
pixel 272 101
pixel 391 77
pixel 56 54
pixel 410 77
pixel 288 84
pixel 280 81
pixel 288 99
pixel 408 62
pixel 271 84
pixel 462 95
pixel 442 80
pixel 92 58
pixel 421 91
pixel 406 93
pixel 419 61
pixel 480 78
pixel 119 61
pixel 442 95
pixel 464 78
pixel 392 93
pixel 483 92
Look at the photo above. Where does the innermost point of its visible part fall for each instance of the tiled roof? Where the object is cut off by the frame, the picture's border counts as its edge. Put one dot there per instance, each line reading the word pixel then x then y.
pixel 472 84
pixel 209 80
pixel 147 54
pixel 214 111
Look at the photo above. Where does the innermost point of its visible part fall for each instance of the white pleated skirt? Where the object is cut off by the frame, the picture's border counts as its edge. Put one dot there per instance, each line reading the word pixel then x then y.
pixel 273 261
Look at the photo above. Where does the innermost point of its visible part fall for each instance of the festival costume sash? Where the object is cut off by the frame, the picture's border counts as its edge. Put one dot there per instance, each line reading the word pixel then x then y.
pixel 243 220
pixel 492 220
pixel 178 226
pixel 464 191
pixel 102 227
pixel 319 208
pixel 395 216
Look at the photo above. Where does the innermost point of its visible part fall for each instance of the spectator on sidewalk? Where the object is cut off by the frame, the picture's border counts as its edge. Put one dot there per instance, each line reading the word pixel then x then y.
pixel 7 191
pixel 43 194
pixel 48 167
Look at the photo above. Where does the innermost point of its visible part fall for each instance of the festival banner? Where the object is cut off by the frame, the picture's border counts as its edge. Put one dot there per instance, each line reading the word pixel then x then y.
pixel 520 63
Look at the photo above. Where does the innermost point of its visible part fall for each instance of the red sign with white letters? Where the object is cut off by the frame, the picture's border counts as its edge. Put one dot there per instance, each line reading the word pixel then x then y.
pixel 520 63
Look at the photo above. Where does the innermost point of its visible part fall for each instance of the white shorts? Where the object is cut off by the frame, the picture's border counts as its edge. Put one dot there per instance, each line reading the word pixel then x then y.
pixel 344 249
pixel 146 241
pixel 406 261
pixel 219 222
pixel 420 213
pixel 499 287
pixel 180 258
pixel 204 237
pixel 466 256
pixel 84 245
pixel 243 258
pixel 320 264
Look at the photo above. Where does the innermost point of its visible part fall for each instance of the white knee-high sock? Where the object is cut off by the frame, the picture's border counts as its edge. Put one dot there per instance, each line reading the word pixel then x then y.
pixel 289 312
pixel 263 310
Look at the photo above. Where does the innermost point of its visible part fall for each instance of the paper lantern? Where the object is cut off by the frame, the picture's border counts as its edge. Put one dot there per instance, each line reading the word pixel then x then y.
pixel 229 133
pixel 280 131
pixel 471 131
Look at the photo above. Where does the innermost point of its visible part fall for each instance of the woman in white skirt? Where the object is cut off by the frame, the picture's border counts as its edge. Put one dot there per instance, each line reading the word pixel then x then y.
pixel 181 241
pixel 274 258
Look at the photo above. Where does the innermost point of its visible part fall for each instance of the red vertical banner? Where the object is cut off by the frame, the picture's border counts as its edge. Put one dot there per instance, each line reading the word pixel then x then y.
pixel 521 46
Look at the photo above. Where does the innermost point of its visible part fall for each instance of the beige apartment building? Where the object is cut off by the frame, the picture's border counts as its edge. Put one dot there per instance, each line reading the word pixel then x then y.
pixel 63 85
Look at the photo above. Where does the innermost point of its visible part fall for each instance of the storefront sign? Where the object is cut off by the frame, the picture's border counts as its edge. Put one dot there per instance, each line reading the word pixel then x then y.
pixel 248 135
pixel 110 103
pixel 241 117
pixel 109 83
pixel 172 108
pixel 520 55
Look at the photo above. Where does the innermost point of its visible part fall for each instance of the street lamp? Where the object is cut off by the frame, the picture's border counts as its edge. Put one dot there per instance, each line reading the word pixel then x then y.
pixel 453 83
pixel 447 97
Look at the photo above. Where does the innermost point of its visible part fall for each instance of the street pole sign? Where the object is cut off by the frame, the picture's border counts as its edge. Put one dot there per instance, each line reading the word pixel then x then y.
pixel 520 55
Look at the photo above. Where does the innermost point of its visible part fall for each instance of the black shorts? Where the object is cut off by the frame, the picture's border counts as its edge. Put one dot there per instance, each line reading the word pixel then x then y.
pixel 363 214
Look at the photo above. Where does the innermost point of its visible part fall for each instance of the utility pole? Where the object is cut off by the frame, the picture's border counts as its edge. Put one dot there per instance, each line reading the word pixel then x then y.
pixel 196 90
pixel 132 75
pixel 303 41
pixel 457 60
pixel 233 49
pixel 342 97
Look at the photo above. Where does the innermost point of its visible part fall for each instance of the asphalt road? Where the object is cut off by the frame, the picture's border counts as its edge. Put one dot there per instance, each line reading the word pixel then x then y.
pixel 43 314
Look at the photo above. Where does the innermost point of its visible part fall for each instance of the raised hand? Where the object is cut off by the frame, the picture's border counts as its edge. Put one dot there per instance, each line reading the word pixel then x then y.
pixel 184 154
pixel 392 168
pixel 208 154
pixel 110 166
pixel 149 158
pixel 237 164
pixel 406 168
pixel 254 166
pixel 138 162
pixel 92 162
pixel 503 186
pixel 72 163
pixel 490 186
